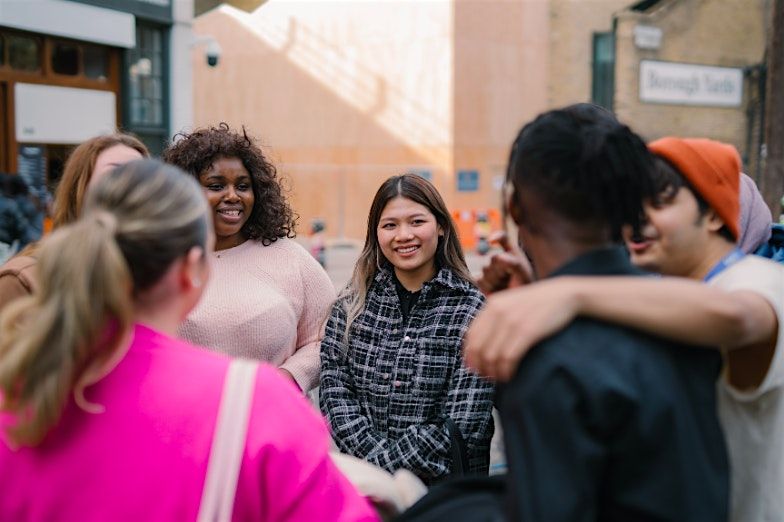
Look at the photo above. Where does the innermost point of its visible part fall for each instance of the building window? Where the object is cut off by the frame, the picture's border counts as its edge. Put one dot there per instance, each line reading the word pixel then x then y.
pixel 146 87
pixel 65 58
pixel 24 53
pixel 467 180
pixel 89 65
pixel 146 78
pixel 78 59
pixel 96 62
pixel 603 69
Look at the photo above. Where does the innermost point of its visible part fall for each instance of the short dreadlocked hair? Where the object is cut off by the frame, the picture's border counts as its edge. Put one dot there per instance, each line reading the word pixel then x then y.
pixel 586 166
pixel 195 152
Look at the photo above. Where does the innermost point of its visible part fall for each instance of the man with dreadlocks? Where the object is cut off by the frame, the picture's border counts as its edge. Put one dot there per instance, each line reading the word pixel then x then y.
pixel 602 422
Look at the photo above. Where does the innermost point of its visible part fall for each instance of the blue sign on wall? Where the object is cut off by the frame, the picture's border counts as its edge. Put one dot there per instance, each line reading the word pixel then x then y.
pixel 424 173
pixel 467 180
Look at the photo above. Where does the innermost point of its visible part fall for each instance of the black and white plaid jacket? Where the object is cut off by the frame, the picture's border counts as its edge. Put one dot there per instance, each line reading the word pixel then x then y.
pixel 387 393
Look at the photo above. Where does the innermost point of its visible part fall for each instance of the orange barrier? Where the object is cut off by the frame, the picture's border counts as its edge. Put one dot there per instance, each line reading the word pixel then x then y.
pixel 468 230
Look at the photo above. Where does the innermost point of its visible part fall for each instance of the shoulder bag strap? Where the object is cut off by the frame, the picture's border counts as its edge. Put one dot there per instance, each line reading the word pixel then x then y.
pixel 228 442
pixel 458 448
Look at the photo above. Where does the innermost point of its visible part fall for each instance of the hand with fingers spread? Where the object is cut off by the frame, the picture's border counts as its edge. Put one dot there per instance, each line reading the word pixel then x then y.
pixel 507 269
pixel 514 321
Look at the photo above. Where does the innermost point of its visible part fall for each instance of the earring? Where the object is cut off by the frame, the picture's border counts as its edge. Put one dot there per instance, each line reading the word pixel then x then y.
pixel 196 282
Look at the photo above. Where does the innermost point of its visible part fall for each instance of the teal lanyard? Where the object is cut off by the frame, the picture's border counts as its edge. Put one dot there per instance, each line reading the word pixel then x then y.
pixel 726 262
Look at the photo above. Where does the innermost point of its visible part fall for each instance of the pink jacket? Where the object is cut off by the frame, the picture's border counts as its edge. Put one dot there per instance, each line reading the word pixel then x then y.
pixel 145 457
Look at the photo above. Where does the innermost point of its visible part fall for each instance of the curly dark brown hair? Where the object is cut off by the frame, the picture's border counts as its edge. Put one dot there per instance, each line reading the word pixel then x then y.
pixel 195 152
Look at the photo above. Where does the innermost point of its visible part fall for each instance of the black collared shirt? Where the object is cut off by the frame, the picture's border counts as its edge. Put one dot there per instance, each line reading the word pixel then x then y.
pixel 607 423
pixel 407 298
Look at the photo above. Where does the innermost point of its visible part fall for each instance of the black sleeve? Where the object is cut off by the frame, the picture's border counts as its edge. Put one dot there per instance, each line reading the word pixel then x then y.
pixel 555 440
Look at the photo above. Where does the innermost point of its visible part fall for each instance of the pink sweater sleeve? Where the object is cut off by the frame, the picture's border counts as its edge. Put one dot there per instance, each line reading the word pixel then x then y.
pixel 318 295
pixel 287 450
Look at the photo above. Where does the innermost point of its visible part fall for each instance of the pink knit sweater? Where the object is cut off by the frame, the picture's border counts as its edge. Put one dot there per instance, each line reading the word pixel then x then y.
pixel 266 303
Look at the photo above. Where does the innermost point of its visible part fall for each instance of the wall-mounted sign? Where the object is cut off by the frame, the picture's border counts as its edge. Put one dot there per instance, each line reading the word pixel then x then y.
pixel 53 114
pixel 424 173
pixel 71 20
pixel 467 180
pixel 160 10
pixel 687 84
pixel 647 37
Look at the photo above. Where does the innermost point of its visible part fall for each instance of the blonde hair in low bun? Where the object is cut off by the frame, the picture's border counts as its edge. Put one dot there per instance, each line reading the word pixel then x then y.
pixel 136 222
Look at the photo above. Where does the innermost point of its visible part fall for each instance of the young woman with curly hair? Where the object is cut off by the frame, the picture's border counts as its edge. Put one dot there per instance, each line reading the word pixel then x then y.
pixel 268 296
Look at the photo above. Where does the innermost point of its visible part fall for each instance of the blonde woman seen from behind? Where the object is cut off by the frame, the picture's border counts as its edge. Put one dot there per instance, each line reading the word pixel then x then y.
pixel 105 415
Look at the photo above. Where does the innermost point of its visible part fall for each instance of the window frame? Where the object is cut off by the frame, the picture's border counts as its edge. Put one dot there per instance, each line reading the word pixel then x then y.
pixel 6 65
pixel 603 71
pixel 154 136
pixel 45 73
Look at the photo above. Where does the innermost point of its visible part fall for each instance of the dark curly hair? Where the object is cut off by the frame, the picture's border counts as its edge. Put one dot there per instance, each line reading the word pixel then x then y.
pixel 195 152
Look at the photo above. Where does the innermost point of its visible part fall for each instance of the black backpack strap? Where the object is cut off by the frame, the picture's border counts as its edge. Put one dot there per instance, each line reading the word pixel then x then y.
pixel 457 448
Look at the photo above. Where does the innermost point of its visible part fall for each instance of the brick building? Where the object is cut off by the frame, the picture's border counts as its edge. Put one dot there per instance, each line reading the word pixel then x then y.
pixel 70 70
pixel 345 94
pixel 691 68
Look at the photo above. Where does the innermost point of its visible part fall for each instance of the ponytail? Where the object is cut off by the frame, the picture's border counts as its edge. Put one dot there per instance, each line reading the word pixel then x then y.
pixel 56 342
pixel 137 221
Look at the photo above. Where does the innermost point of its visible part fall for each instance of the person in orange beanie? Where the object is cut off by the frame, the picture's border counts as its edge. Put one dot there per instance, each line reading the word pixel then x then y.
pixel 691 231
pixel 713 170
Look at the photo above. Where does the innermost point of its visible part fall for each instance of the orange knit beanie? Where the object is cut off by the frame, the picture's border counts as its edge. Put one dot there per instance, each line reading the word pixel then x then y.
pixel 712 169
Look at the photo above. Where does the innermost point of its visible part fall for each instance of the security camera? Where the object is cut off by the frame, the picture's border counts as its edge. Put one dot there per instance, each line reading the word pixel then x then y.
pixel 213 53
pixel 212 50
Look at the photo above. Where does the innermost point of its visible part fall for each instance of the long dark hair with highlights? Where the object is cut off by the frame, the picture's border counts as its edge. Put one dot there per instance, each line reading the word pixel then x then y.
pixel 449 253
pixel 195 152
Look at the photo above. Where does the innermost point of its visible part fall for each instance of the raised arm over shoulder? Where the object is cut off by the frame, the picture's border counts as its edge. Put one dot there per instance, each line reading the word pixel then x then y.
pixel 687 311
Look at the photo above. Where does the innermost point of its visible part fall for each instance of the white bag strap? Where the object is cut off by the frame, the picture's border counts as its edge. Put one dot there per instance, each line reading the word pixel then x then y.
pixel 228 443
